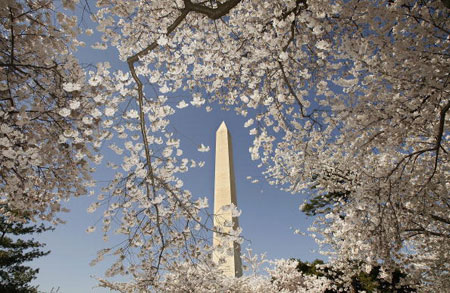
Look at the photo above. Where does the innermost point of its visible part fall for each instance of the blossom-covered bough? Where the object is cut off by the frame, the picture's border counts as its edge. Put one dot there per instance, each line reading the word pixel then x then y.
pixel 48 113
pixel 345 97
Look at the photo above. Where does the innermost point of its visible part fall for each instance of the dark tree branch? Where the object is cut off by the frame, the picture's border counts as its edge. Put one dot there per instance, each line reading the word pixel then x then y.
pixel 213 13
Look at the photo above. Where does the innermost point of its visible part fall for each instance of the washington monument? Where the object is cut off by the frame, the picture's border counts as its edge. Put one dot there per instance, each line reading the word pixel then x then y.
pixel 227 256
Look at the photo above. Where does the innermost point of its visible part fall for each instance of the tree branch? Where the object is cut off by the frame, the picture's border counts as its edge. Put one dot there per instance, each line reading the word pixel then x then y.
pixel 213 13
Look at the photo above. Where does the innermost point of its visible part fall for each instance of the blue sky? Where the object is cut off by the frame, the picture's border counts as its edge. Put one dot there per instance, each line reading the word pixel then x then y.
pixel 269 216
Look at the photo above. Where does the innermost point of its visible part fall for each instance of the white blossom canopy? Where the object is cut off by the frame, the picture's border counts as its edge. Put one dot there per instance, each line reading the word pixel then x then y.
pixel 348 97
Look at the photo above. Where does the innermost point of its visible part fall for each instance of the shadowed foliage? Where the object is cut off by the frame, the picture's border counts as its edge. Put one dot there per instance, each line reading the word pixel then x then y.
pixel 360 281
pixel 15 251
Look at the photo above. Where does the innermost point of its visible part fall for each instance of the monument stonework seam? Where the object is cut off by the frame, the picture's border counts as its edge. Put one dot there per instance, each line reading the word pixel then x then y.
pixel 226 255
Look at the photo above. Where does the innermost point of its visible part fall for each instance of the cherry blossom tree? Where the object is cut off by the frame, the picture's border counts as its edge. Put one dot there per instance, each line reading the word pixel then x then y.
pixel 47 111
pixel 342 97
pixel 347 97
pixel 282 276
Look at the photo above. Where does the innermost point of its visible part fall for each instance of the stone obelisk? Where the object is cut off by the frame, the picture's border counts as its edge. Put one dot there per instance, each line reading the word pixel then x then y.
pixel 226 255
